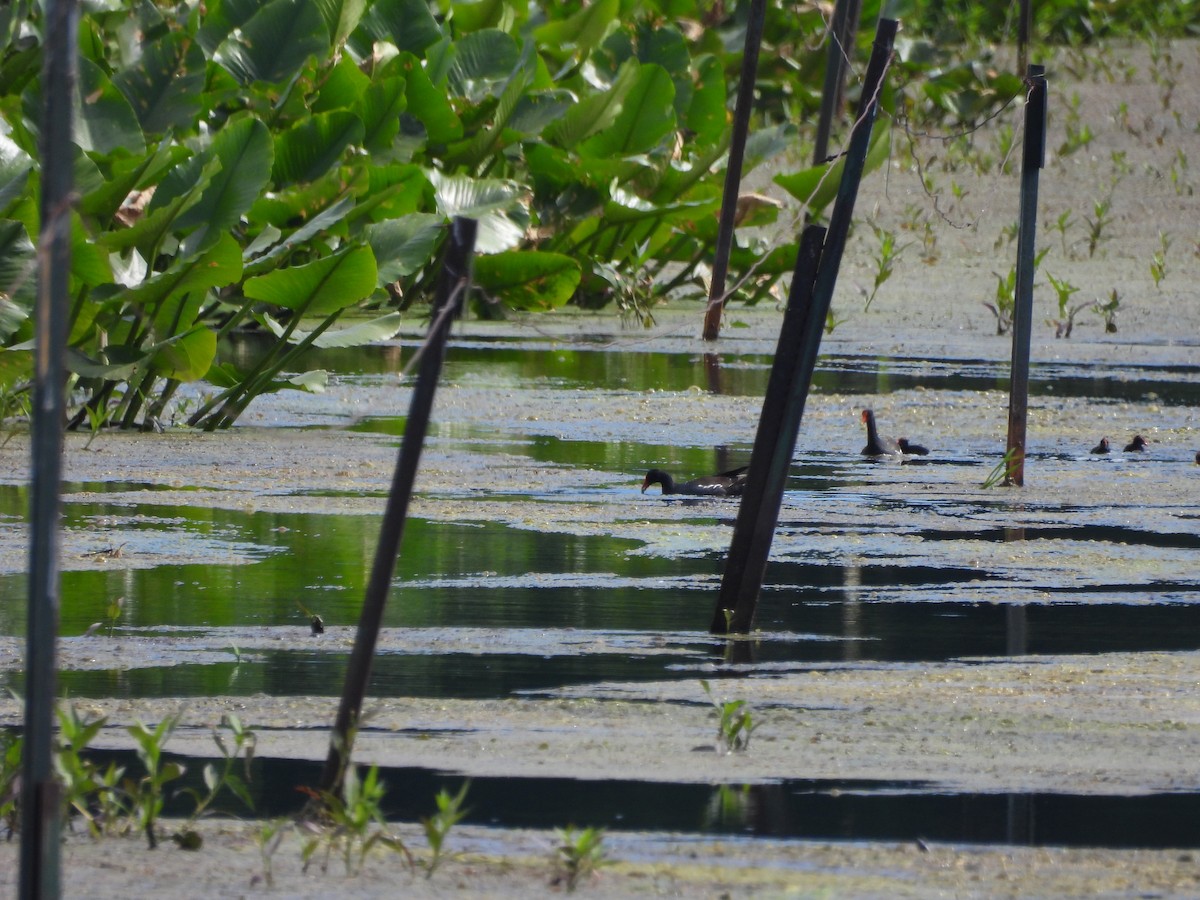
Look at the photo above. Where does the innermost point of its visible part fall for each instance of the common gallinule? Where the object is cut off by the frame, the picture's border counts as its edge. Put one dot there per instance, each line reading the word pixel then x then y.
pixel 1101 447
pixel 724 484
pixel 1137 445
pixel 876 445
pixel 907 446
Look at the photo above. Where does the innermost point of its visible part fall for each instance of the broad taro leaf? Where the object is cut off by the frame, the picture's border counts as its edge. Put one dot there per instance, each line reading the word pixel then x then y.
pixel 320 287
pixel 341 17
pixel 650 42
pixel 500 207
pixel 245 151
pixel 475 16
pixel 217 267
pixel 89 263
pixel 126 173
pixel 429 105
pixel 15 167
pixel 534 111
pixel 341 88
pixel 380 107
pixel 482 61
pixel 18 276
pixel 817 186
pixel 647 115
pixel 403 246
pixel 312 148
pixel 276 43
pixel 359 335
pixel 595 113
pixel 221 17
pixel 157 222
pixel 186 357
pixel 408 24
pixel 489 141
pixel 104 120
pixel 527 279
pixel 165 86
pixel 579 34
pixel 707 114
pixel 324 220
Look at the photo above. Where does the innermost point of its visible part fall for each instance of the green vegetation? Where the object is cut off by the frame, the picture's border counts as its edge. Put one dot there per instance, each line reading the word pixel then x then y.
pixel 231 179
pixel 579 855
pixel 735 722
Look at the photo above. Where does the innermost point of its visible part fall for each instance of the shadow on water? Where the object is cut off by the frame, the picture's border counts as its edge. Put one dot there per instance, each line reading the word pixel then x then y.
pixel 794 808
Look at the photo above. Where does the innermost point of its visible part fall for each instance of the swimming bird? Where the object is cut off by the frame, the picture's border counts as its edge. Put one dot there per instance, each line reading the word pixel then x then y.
pixel 1101 447
pixel 907 446
pixel 1137 445
pixel 724 484
pixel 876 445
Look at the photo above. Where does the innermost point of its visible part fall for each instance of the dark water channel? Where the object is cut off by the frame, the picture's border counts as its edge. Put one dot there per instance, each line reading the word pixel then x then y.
pixel 494 576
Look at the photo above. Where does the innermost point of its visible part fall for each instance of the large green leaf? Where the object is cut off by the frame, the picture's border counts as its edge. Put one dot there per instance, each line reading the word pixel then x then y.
pixel 245 152
pixel 580 33
pixel 817 186
pixel 186 357
pixel 320 287
pixel 595 113
pixel 707 115
pixel 429 105
pixel 500 207
pixel 403 246
pixel 380 107
pixel 482 61
pixel 128 173
pixel 309 150
pixel 357 335
pixel 104 120
pixel 219 266
pixel 408 24
pixel 18 261
pixel 275 43
pixel 526 279
pixel 149 231
pixel 165 87
pixel 647 115
pixel 341 17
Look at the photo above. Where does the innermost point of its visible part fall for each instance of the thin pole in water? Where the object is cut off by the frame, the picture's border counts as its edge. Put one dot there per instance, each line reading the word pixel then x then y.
pixel 1033 159
pixel 452 289
pixel 40 823
pixel 759 512
pixel 733 169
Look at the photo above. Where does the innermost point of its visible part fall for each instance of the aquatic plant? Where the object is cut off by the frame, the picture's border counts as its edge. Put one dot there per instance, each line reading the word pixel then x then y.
pixel 735 722
pixel 1158 262
pixel 579 854
pixel 437 826
pixel 351 821
pixel 147 794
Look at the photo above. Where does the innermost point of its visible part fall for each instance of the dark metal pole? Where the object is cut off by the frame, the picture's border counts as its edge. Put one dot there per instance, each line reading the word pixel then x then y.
pixel 733 169
pixel 774 444
pixel 1033 160
pixel 743 579
pixel 452 289
pixel 39 791
pixel 1024 34
pixel 835 73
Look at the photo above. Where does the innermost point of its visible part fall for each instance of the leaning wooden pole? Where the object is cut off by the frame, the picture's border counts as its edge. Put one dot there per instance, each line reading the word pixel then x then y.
pixel 452 289
pixel 1033 159
pixel 754 529
pixel 40 806
pixel 733 169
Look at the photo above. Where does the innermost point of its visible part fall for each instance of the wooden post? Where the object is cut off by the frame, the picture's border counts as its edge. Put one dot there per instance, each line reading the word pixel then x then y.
pixel 452 290
pixel 1033 159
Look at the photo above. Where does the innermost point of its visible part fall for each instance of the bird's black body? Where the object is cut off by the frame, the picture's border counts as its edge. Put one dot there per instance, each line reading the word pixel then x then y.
pixel 724 484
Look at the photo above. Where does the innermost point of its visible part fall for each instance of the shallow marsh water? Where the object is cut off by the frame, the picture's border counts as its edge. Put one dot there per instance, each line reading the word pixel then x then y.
pixel 532 564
